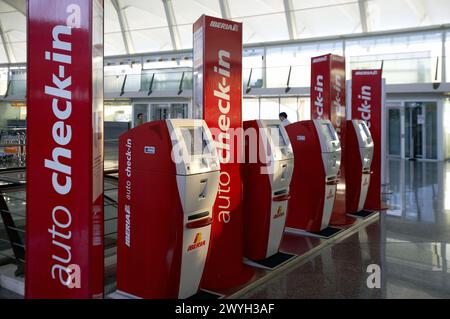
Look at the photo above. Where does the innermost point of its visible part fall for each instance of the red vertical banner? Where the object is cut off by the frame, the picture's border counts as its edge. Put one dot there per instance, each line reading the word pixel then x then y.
pixel 217 98
pixel 320 87
pixel 367 104
pixel 328 100
pixel 64 227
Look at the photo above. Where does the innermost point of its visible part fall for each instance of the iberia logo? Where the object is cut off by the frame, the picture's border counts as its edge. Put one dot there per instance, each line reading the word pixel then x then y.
pixel 279 213
pixel 198 242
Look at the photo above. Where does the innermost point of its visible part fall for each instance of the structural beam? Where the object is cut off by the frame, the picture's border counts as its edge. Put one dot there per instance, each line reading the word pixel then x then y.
pixel 290 19
pixel 225 9
pixel 123 22
pixel 7 45
pixel 19 5
pixel 172 23
pixel 363 15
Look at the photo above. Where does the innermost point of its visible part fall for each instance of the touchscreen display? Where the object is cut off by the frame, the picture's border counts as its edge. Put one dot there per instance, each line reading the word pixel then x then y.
pixel 195 139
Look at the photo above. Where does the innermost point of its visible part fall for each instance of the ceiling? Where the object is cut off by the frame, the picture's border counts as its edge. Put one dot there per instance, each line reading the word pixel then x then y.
pixel 140 26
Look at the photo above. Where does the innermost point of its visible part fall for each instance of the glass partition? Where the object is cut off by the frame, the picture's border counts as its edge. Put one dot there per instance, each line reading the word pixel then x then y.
pixel 250 109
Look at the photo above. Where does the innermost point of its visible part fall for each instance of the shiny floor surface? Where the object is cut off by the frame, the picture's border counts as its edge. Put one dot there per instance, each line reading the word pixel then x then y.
pixel 410 243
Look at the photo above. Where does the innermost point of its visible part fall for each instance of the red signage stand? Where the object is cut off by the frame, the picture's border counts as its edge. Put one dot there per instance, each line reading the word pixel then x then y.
pixel 217 98
pixel 367 104
pixel 328 102
pixel 64 228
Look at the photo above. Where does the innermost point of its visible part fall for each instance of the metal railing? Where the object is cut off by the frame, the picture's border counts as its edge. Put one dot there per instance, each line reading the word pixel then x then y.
pixel 13 215
pixel 397 70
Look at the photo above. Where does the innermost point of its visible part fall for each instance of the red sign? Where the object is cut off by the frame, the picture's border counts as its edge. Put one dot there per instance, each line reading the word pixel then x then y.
pixel 64 228
pixel 217 98
pixel 367 99
pixel 328 102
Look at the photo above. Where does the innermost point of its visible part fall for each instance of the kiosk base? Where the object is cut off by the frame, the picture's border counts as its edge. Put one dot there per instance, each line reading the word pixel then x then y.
pixel 324 233
pixel 272 262
pixel 362 213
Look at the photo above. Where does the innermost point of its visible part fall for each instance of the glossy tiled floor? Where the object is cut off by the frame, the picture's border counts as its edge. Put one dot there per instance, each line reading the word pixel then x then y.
pixel 410 243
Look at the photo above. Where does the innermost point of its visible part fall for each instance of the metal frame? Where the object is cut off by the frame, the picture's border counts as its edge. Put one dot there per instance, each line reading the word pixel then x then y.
pixel 225 9
pixel 439 127
pixel 290 19
pixel 172 23
pixel 123 22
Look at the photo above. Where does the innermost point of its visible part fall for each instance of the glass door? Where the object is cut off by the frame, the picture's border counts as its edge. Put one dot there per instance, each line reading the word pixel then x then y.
pixel 421 130
pixel 160 111
pixel 179 110
pixel 394 132
pixel 431 130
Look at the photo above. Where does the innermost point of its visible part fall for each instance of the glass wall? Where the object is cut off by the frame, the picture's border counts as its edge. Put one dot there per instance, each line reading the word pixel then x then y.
pixel 250 109
pixel 12 114
pixel 3 80
pixel 446 129
pixel 405 58
pixel 297 60
pixel 252 68
pixel 117 112
pixel 268 108
pixel 409 58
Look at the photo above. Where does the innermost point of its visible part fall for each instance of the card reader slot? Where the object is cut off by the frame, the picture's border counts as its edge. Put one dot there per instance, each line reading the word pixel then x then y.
pixel 333 181
pixel 282 192
pixel 199 223
pixel 197 216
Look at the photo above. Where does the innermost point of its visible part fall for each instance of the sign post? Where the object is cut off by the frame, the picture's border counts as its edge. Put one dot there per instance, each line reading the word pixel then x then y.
pixel 217 98
pixel 368 105
pixel 328 102
pixel 64 229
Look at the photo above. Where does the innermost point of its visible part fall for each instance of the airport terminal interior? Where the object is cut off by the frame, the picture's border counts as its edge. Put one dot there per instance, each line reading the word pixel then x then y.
pixel 385 83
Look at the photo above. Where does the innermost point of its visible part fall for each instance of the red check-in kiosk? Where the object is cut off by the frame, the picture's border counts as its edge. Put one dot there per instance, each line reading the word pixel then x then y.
pixel 359 158
pixel 267 173
pixel 317 158
pixel 168 181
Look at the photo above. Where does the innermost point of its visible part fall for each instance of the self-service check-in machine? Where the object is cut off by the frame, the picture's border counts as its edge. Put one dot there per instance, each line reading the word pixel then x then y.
pixel 359 155
pixel 267 172
pixel 168 181
pixel 317 154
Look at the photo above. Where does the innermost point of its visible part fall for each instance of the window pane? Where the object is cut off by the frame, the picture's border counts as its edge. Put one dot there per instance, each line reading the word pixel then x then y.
pixel 406 59
pixel 304 108
pixel 269 109
pixel 328 20
pixel 290 107
pixel 250 109
pixel 279 60
pixel 431 130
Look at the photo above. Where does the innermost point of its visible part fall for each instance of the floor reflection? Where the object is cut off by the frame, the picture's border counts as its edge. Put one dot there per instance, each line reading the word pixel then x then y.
pixel 410 243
